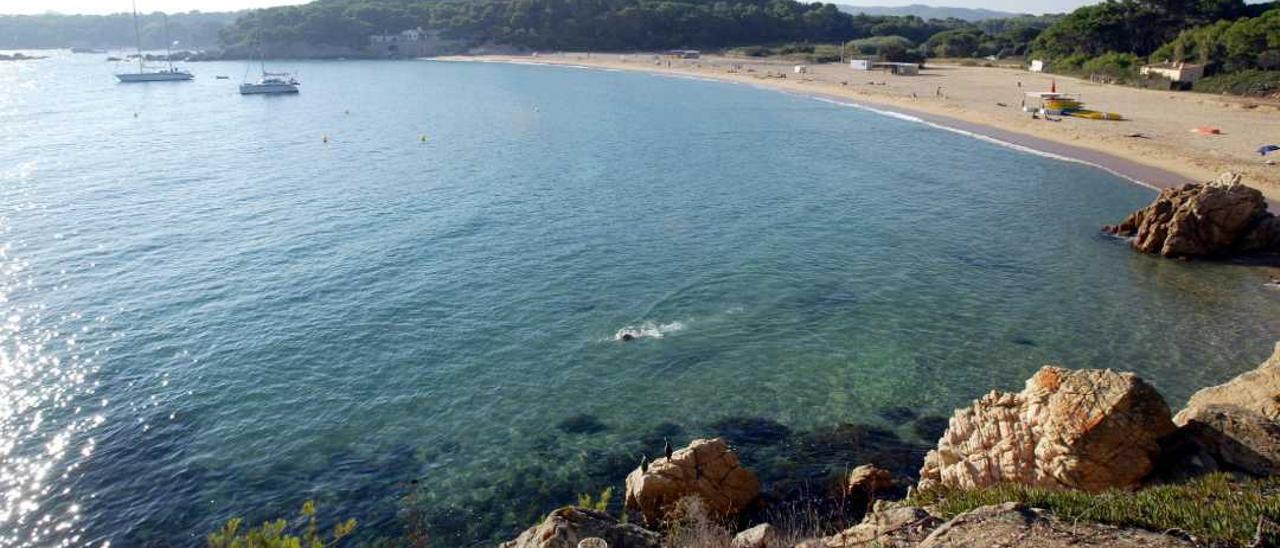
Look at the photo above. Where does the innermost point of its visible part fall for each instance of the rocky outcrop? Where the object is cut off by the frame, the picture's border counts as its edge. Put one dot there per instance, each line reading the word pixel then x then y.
pixel 1006 524
pixel 566 527
pixel 1087 429
pixel 1237 423
pixel 868 483
pixel 890 527
pixel 1214 220
pixel 707 469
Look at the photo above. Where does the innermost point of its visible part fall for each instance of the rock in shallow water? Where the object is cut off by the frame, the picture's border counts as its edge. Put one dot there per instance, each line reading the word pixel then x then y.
pixel 1087 429
pixel 1193 221
pixel 706 468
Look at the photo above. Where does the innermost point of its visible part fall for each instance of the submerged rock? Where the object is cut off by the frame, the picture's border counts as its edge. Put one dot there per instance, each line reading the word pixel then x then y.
pixel 566 527
pixel 1087 429
pixel 1214 220
pixel 707 469
pixel 1237 423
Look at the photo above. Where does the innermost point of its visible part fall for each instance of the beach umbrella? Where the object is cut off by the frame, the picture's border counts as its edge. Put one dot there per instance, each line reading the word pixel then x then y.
pixel 1267 149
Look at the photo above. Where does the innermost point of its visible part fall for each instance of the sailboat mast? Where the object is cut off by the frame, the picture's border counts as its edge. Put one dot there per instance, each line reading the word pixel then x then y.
pixel 168 49
pixel 137 34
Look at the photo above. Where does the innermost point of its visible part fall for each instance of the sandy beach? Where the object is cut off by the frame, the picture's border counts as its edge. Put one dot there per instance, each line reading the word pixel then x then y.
pixel 988 100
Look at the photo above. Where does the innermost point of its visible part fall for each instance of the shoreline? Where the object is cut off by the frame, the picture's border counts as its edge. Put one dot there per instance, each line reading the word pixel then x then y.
pixel 1081 144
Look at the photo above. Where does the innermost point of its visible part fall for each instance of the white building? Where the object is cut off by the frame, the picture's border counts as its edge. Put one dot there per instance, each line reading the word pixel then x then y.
pixel 1184 73
pixel 407 42
pixel 1037 65
pixel 860 64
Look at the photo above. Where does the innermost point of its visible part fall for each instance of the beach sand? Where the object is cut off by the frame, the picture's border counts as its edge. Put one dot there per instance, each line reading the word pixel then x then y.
pixel 987 101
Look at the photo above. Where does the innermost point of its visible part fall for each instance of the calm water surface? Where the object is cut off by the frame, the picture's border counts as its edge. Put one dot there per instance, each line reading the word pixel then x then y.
pixel 207 311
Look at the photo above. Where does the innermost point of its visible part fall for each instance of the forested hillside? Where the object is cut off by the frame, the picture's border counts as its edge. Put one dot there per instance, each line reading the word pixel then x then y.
pixel 1115 38
pixel 191 30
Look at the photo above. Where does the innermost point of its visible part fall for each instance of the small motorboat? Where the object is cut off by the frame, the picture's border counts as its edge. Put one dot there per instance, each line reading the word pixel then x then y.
pixel 221 77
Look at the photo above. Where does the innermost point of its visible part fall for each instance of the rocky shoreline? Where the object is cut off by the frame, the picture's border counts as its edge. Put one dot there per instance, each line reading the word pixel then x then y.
pixel 1222 219
pixel 1068 431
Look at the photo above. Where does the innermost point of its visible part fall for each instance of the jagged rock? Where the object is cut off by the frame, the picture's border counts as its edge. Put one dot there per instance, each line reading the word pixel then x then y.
pixel 1012 525
pixel 706 468
pixel 867 483
pixel 1257 390
pixel 1238 422
pixel 760 536
pixel 566 527
pixel 1218 219
pixel 869 479
pixel 891 527
pixel 1086 429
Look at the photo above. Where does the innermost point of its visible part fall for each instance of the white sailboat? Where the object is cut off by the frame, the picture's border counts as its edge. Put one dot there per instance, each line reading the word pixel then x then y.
pixel 270 83
pixel 170 74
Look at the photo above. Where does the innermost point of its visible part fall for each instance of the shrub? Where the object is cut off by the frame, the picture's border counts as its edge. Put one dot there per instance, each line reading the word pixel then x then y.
pixel 599 505
pixel 274 534
pixel 692 525
pixel 1117 66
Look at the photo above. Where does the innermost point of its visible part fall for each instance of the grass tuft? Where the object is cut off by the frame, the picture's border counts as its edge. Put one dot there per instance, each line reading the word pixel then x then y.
pixel 1215 508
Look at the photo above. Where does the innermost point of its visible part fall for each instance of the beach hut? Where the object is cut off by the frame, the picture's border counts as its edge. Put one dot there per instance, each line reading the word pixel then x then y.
pixel 860 64
pixel 800 69
pixel 901 69
pixel 1037 65
pixel 1180 73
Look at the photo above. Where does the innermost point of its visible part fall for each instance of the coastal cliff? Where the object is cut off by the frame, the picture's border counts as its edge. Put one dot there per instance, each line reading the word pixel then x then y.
pixel 1077 458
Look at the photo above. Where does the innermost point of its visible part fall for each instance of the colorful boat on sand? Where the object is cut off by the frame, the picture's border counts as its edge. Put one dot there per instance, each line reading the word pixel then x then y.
pixel 1061 104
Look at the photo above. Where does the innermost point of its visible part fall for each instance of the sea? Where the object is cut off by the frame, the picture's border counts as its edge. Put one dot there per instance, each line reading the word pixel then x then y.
pixel 403 293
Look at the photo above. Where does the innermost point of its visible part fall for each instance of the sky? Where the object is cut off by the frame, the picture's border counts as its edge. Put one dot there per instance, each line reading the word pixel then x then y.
pixel 175 6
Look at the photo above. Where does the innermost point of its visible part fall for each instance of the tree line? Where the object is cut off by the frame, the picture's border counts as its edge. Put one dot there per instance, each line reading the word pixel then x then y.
pixel 1115 38
pixel 192 30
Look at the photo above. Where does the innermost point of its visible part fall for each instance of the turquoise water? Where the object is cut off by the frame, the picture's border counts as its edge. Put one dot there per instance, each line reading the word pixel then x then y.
pixel 208 311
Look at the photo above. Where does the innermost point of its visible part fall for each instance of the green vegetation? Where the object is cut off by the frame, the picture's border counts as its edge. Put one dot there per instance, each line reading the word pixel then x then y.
pixel 1246 82
pixel 1113 39
pixel 551 24
pixel 1214 508
pixel 1227 46
pixel 190 30
pixel 891 48
pixel 809 53
pixel 622 25
pixel 274 534
pixel 601 504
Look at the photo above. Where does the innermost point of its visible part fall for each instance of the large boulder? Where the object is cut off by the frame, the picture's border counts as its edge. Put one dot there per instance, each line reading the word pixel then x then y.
pixel 706 468
pixel 1237 423
pixel 566 527
pixel 1212 220
pixel 1086 429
